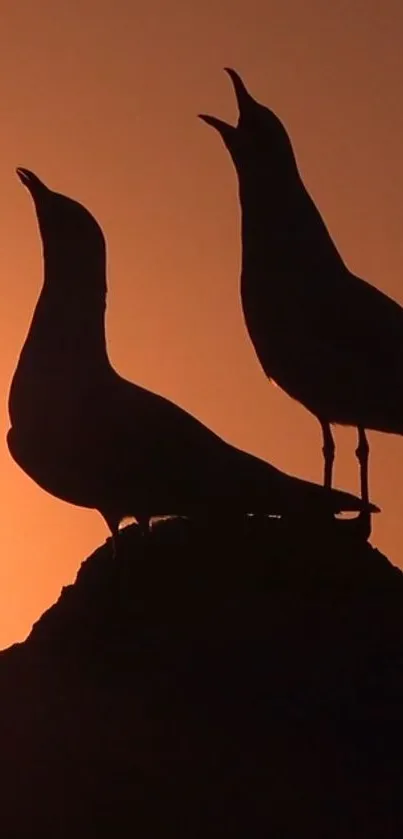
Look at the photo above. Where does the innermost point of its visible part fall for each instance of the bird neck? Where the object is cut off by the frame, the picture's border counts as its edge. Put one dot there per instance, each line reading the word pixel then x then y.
pixel 281 223
pixel 69 321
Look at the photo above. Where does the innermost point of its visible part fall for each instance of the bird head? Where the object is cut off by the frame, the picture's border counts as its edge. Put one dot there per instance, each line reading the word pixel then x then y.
pixel 259 135
pixel 69 232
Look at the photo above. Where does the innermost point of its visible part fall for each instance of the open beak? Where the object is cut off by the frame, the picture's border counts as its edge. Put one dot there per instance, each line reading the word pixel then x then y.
pixel 219 124
pixel 243 97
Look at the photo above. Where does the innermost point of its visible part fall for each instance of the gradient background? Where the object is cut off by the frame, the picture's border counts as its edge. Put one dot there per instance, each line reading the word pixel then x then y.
pixel 100 99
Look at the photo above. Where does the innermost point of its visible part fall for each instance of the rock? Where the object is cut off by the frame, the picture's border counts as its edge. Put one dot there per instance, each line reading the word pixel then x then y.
pixel 215 680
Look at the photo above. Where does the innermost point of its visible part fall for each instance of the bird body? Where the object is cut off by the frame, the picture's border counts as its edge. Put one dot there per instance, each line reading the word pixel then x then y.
pixel 92 438
pixel 328 338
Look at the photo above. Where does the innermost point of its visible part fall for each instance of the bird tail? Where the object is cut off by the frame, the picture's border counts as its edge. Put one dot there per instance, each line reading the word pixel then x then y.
pixel 274 492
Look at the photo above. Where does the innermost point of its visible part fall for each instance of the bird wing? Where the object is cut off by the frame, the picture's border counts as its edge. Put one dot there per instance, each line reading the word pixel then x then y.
pixel 323 313
pixel 341 353
pixel 170 457
pixel 163 448
pixel 350 315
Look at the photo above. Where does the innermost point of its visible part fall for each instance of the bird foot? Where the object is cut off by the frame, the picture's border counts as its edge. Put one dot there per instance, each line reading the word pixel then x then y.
pixel 359 527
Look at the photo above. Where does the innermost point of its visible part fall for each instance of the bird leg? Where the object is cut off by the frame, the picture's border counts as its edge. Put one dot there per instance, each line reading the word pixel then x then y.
pixel 143 522
pixel 328 453
pixel 114 541
pixel 362 453
pixel 113 522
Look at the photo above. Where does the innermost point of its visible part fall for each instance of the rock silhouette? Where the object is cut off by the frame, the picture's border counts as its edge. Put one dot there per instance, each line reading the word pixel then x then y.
pixel 328 338
pixel 89 437
pixel 217 681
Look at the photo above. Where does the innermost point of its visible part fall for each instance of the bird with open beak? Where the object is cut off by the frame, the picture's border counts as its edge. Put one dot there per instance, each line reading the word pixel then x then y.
pixel 328 338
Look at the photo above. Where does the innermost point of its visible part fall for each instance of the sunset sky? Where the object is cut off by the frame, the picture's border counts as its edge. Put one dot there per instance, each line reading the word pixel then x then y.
pixel 100 99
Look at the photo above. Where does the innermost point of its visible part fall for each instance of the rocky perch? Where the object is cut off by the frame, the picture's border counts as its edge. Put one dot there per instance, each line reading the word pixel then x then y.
pixel 215 680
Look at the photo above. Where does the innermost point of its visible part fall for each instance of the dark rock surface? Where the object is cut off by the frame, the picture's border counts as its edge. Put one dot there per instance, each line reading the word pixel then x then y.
pixel 218 680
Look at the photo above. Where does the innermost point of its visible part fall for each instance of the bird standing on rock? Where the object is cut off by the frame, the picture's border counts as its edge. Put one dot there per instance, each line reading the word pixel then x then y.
pixel 329 339
pixel 92 438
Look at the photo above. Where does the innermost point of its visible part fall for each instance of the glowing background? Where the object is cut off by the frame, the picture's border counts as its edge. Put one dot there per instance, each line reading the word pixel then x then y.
pixel 100 99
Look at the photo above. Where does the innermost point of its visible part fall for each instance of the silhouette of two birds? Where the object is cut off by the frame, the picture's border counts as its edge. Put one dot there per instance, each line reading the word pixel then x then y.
pixel 91 438
pixel 328 338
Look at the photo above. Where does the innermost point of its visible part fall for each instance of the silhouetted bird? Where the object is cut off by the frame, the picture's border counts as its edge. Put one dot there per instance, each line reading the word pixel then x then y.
pixel 328 338
pixel 90 437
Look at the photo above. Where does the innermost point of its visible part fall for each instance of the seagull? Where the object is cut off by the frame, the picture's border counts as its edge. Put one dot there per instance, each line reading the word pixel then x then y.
pixel 329 339
pixel 90 437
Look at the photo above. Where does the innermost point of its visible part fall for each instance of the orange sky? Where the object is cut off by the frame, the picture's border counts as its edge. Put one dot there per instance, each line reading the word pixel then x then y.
pixel 100 98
